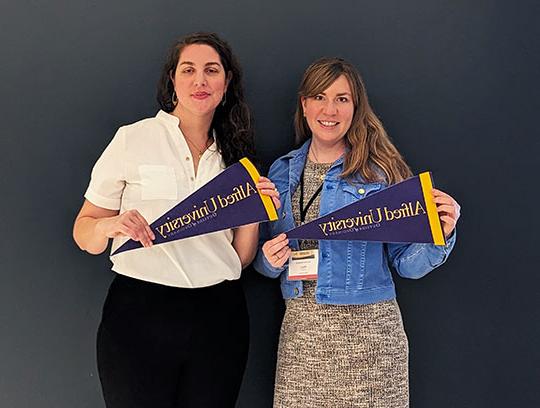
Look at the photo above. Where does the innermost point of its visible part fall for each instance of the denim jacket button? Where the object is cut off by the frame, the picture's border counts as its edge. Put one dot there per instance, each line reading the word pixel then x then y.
pixel 361 191
pixel 296 291
pixel 283 215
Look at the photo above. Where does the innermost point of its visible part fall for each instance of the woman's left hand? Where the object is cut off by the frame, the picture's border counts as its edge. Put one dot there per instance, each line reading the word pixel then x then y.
pixel 266 187
pixel 449 210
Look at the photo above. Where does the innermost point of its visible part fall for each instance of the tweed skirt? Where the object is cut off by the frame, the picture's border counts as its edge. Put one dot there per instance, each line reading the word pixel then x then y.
pixel 341 356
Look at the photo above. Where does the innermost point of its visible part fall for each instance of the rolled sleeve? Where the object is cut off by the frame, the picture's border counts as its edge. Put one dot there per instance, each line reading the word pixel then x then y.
pixel 262 266
pixel 414 261
pixel 107 181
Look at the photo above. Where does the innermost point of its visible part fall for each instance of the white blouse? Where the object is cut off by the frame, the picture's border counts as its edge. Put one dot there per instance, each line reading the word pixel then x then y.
pixel 148 167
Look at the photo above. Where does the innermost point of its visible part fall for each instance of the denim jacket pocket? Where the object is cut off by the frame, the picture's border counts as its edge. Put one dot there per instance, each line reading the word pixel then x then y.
pixel 355 192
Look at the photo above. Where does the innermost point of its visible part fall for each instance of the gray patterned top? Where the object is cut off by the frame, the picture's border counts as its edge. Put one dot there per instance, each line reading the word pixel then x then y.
pixel 314 174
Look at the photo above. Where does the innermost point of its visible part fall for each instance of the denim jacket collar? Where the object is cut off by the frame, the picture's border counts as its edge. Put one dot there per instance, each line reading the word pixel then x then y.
pixel 297 161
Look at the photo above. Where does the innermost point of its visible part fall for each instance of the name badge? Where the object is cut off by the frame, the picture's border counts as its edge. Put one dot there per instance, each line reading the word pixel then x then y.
pixel 303 265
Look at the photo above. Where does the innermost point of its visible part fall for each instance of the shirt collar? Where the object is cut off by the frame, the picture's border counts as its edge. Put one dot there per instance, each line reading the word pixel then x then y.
pixel 173 120
pixel 168 118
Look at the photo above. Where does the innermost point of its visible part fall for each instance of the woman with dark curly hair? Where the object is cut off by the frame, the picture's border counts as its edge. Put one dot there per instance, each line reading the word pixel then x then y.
pixel 174 330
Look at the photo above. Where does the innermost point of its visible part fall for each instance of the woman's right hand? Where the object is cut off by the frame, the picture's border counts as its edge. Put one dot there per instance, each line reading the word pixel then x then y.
pixel 277 251
pixel 131 224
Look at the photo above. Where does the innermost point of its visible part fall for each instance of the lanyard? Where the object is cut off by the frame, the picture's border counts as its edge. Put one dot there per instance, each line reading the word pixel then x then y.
pixel 304 210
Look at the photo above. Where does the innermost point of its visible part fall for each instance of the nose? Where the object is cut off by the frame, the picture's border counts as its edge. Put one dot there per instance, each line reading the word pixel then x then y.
pixel 200 79
pixel 329 108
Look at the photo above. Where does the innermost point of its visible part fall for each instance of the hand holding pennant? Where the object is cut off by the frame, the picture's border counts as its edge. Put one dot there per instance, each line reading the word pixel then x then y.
pixel 229 200
pixel 404 212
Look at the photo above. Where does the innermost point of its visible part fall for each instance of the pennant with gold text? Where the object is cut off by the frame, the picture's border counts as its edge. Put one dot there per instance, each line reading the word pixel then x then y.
pixel 403 212
pixel 229 200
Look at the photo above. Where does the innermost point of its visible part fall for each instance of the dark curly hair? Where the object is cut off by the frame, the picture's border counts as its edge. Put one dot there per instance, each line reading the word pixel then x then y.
pixel 232 121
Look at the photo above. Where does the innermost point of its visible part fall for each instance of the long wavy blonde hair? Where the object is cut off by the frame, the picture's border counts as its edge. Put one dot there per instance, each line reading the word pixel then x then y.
pixel 371 153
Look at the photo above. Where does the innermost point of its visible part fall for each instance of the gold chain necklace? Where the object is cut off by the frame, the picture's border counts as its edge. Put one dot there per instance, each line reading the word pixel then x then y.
pixel 312 150
pixel 313 154
pixel 199 151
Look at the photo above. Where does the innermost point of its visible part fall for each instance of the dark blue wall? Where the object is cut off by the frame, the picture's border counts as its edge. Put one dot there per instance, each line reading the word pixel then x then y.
pixel 456 84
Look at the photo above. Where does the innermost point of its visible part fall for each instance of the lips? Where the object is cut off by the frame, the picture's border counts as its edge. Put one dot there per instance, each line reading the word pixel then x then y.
pixel 200 95
pixel 328 124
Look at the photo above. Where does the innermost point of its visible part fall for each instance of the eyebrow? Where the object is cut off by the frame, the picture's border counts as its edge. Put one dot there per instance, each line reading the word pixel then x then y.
pixel 206 65
pixel 339 94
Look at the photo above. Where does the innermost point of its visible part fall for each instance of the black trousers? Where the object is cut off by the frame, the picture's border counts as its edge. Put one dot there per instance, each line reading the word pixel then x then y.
pixel 164 347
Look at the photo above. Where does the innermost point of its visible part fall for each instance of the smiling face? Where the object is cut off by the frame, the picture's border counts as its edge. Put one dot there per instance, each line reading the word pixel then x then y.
pixel 329 114
pixel 200 81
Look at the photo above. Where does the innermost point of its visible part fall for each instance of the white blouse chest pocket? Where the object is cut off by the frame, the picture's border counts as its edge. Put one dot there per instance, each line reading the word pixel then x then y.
pixel 158 182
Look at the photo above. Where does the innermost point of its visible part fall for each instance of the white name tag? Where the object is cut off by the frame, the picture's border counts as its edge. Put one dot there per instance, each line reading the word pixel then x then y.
pixel 303 265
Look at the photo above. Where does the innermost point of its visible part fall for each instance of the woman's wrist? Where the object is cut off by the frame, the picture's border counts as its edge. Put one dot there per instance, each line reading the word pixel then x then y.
pixel 101 227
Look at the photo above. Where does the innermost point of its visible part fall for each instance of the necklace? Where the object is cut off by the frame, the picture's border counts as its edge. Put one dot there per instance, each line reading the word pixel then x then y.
pixel 312 150
pixel 199 151
pixel 321 177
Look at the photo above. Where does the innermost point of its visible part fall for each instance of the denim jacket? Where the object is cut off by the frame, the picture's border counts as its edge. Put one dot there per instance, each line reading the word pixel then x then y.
pixel 350 272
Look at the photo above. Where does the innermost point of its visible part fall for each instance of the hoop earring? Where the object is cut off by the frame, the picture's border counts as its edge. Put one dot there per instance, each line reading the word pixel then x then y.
pixel 224 100
pixel 174 98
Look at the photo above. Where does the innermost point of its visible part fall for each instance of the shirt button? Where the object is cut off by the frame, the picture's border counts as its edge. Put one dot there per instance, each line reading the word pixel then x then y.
pixel 191 178
pixel 187 158
pixel 296 291
pixel 361 190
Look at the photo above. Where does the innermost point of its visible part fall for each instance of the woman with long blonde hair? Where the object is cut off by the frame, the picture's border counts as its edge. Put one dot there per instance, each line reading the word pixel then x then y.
pixel 342 341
